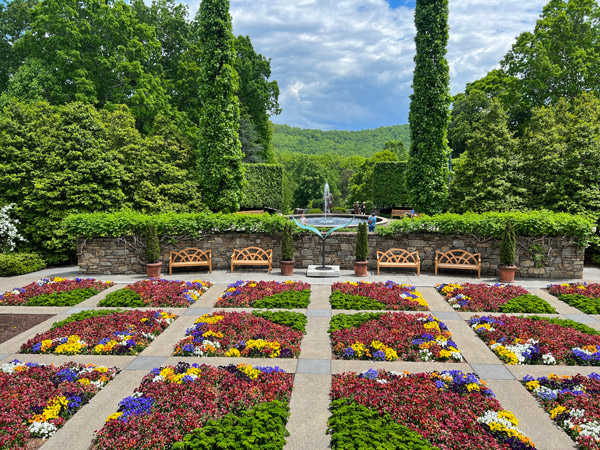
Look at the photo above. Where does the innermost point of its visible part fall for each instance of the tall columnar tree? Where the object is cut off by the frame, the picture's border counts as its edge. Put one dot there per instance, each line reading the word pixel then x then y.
pixel 429 113
pixel 220 151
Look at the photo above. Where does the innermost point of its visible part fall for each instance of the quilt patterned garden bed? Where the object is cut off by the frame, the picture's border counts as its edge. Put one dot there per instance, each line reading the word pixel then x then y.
pixel 376 295
pixel 392 336
pixel 238 406
pixel 265 294
pixel 583 296
pixel 539 340
pixel 573 402
pixel 101 332
pixel 157 292
pixel 493 298
pixel 54 292
pixel 445 410
pixel 235 334
pixel 36 400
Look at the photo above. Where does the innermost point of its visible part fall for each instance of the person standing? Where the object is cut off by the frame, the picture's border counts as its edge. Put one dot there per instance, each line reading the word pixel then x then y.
pixel 363 209
pixel 372 220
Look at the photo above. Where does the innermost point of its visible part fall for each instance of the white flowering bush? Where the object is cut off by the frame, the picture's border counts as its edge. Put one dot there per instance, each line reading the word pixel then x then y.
pixel 9 235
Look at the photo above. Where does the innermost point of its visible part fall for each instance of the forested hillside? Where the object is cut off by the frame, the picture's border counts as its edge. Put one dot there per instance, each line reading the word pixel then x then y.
pixel 347 143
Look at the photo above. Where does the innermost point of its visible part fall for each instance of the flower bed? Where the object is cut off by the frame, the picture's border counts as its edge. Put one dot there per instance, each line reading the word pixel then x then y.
pixel 36 400
pixel 367 295
pixel 119 333
pixel 392 336
pixel 158 293
pixel 239 334
pixel 54 292
pixel 519 340
pixel 172 401
pixel 583 296
pixel 493 298
pixel 265 294
pixel 573 403
pixel 448 409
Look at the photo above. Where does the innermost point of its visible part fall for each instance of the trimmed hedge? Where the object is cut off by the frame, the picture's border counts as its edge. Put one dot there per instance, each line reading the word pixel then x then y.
pixel 12 264
pixel 389 184
pixel 264 187
pixel 534 223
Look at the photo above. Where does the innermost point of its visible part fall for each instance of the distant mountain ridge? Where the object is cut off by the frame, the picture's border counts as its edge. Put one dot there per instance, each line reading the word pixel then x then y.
pixel 364 143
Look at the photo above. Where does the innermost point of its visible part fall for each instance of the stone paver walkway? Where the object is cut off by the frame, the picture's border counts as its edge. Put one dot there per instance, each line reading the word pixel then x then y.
pixel 315 366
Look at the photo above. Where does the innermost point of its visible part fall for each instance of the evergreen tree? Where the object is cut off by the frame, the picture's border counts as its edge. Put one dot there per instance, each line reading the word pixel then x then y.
pixel 429 113
pixel 220 162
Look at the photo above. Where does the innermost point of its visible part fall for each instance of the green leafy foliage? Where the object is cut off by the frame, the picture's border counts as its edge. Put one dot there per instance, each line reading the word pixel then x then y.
pixel 362 243
pixel 220 152
pixel 12 264
pixel 152 247
pixel 122 297
pixel 262 427
pixel 290 319
pixel 389 184
pixel 341 321
pixel 264 186
pixel 340 300
pixel 507 246
pixel 429 114
pixel 285 300
pixel 528 303
pixel 582 303
pixel 534 223
pixel 354 426
pixel 69 298
pixel 85 315
pixel 361 186
pixel 567 323
pixel 287 243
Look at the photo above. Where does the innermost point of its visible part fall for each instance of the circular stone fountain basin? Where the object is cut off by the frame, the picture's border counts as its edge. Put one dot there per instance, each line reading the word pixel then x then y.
pixel 335 220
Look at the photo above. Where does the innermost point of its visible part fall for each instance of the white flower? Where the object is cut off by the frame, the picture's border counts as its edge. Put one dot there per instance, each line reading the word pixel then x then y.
pixel 42 429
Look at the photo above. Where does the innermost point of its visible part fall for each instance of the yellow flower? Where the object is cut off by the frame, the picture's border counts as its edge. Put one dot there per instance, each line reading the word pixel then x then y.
pixel 556 411
pixel 84 381
pixel 248 370
pixel 114 416
pixel 532 385
pixel 234 352
pixel 207 318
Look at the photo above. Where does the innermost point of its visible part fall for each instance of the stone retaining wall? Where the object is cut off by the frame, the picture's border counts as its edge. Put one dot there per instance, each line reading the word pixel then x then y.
pixel 124 255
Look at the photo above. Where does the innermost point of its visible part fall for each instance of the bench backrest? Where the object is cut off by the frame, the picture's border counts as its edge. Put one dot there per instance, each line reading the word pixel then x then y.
pixel 190 255
pixel 400 212
pixel 398 256
pixel 462 257
pixel 252 254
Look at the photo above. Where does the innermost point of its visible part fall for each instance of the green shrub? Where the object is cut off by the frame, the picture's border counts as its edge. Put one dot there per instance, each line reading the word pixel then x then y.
pixel 12 264
pixel 492 224
pixel 85 315
pixel 507 246
pixel 389 183
pixel 285 300
pixel 341 321
pixel 339 300
pixel 264 186
pixel 340 210
pixel 581 302
pixel 528 303
pixel 362 243
pixel 290 319
pixel 152 247
pixel 354 426
pixel 122 297
pixel 314 211
pixel 260 428
pixel 69 298
pixel 566 323
pixel 287 243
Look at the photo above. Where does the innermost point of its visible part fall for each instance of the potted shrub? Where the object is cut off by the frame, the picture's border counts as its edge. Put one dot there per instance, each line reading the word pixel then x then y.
pixel 153 263
pixel 287 250
pixel 507 266
pixel 362 251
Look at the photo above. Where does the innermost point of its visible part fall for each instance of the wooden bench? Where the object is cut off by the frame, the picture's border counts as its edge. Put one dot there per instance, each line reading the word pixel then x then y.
pixel 399 213
pixel 190 257
pixel 458 259
pixel 255 211
pixel 252 256
pixel 398 257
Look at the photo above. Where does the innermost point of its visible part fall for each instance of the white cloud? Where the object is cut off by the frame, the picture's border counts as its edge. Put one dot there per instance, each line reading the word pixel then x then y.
pixel 348 64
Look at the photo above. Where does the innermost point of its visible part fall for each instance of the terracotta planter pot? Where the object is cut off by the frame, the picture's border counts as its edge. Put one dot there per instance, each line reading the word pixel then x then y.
pixel 507 273
pixel 360 268
pixel 287 268
pixel 153 269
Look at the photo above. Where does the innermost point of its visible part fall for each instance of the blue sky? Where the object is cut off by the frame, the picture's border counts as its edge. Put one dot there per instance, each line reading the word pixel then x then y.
pixel 348 64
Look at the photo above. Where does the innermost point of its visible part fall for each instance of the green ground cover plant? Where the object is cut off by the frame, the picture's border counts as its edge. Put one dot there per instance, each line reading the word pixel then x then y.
pixel 527 303
pixel 63 298
pixel 122 297
pixel 341 321
pixel 290 319
pixel 12 264
pixel 583 303
pixel 84 315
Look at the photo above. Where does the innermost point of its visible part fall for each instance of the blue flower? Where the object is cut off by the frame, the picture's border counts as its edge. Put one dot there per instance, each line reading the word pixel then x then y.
pixel 370 374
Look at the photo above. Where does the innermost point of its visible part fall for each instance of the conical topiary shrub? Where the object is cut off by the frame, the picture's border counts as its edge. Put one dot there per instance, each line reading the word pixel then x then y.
pixel 507 247
pixel 287 243
pixel 362 243
pixel 152 247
